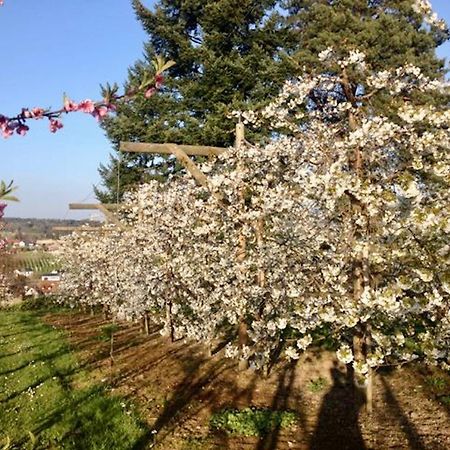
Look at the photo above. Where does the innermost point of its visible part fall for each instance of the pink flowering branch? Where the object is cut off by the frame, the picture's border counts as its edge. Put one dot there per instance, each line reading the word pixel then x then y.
pixel 98 109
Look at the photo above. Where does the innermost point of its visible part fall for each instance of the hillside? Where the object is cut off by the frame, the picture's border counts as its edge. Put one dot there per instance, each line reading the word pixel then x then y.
pixel 33 229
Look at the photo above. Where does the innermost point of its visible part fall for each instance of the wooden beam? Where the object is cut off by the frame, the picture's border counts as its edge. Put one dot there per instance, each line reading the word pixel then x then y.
pixel 167 149
pixel 189 165
pixel 104 208
pixel 109 215
pixel 84 206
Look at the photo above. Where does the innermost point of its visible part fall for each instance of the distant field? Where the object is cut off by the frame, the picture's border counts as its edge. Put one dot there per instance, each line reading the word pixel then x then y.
pixel 39 262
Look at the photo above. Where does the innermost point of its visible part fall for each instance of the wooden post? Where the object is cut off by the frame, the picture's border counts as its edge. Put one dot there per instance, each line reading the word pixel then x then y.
pixel 242 250
pixel 242 327
pixel 362 339
pixel 146 325
pixel 169 322
pixel 240 134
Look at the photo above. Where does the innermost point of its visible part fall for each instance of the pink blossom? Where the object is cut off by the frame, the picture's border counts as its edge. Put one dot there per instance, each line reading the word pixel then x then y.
pixel 7 132
pixel 55 125
pixel 70 105
pixel 100 112
pixel 38 113
pixel 8 127
pixel 22 129
pixel 150 92
pixel 27 113
pixel 86 106
pixel 159 80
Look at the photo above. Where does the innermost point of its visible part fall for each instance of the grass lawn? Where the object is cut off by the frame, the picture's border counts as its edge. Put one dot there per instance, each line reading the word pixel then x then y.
pixel 47 400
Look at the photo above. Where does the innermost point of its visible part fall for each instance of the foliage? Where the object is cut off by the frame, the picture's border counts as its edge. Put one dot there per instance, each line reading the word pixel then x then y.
pixel 251 421
pixel 229 55
pixel 317 385
pixel 41 304
pixel 39 399
pixel 436 383
pixel 236 55
pixel 5 191
pixel 108 331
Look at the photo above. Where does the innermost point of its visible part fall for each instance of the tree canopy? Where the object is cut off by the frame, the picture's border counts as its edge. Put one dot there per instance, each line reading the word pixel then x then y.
pixel 235 55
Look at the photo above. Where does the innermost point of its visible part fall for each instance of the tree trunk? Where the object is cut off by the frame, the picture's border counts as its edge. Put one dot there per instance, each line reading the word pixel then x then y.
pixel 146 325
pixel 111 350
pixel 243 342
pixel 169 322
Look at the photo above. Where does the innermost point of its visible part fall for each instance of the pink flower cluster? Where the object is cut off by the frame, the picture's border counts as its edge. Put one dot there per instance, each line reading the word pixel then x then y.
pixel 99 110
pixel 17 125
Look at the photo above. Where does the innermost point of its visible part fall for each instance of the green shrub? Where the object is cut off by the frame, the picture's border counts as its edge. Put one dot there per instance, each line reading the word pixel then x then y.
pixel 251 421
pixel 436 383
pixel 317 385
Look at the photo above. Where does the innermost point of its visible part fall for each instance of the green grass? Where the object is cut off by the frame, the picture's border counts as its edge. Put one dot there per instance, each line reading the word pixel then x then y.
pixel 436 383
pixel 317 385
pixel 40 262
pixel 41 408
pixel 251 421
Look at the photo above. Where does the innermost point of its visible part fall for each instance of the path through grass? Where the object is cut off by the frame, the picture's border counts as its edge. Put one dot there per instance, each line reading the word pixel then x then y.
pixel 40 405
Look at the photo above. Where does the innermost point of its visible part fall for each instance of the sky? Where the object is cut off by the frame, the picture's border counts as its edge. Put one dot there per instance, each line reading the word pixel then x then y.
pixel 49 47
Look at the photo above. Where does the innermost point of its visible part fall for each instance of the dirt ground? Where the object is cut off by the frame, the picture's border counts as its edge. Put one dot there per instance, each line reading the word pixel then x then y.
pixel 177 389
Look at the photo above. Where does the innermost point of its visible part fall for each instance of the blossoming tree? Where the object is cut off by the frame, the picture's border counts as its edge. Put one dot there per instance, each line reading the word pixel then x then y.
pixel 338 228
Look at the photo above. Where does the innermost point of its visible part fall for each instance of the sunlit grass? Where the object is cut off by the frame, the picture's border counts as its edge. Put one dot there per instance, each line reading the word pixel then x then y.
pixel 41 408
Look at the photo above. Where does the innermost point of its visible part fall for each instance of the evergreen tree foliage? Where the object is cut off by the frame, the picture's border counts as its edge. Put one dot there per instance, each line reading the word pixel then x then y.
pixel 234 55
pixel 229 56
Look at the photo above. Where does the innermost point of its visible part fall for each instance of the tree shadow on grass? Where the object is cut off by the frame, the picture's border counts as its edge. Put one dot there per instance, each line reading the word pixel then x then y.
pixel 337 425
pixel 279 403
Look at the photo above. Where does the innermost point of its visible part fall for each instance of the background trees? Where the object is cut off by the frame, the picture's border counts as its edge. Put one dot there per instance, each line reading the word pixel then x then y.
pixel 235 56
pixel 229 54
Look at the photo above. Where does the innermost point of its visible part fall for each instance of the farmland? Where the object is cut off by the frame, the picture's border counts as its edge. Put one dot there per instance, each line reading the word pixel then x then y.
pixel 38 261
pixel 56 376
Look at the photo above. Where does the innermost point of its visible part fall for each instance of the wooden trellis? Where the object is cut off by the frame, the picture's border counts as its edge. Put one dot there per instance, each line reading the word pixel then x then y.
pixel 183 153
pixel 106 209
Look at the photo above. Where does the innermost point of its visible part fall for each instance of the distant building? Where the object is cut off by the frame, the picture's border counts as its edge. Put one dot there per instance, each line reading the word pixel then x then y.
pixel 52 276
pixel 47 287
pixel 30 292
pixel 48 244
pixel 24 272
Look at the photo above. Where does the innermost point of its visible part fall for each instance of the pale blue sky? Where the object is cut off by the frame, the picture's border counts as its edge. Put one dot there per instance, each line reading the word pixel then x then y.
pixel 53 46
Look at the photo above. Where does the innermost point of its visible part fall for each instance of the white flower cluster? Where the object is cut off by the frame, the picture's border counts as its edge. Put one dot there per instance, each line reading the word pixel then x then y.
pixel 424 8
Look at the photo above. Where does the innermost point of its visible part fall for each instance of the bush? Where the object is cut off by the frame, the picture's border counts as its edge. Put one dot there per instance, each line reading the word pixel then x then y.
pixel 251 421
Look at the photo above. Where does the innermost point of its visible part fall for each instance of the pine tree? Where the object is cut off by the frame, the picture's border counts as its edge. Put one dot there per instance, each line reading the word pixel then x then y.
pixel 234 55
pixel 229 56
